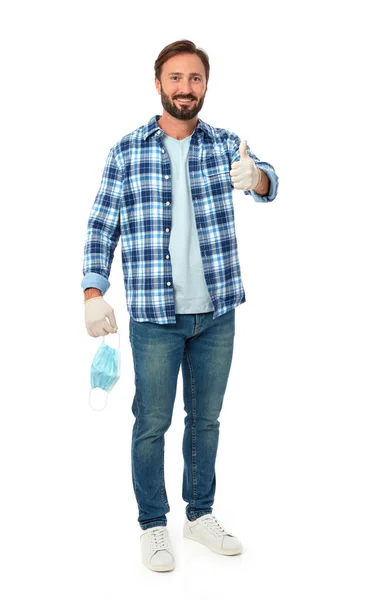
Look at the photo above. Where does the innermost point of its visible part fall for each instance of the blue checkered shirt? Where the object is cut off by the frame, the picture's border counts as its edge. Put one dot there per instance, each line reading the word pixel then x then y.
pixel 134 203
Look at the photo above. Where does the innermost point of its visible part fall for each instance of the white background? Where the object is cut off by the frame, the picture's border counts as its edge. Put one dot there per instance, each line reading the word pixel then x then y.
pixel 293 460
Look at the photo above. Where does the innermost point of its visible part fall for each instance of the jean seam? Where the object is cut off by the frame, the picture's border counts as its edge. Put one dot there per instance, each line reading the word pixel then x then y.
pixel 135 403
pixel 163 488
pixel 193 432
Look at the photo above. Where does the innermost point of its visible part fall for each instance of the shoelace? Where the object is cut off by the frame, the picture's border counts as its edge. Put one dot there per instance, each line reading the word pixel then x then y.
pixel 214 526
pixel 158 539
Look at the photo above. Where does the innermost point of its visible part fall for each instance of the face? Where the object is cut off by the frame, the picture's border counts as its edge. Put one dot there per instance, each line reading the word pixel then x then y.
pixel 183 86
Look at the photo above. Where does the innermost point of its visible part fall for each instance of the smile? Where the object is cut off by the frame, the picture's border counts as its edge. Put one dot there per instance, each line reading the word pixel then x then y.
pixel 184 101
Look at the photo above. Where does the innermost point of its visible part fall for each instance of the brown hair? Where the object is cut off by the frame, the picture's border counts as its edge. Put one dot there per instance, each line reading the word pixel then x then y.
pixel 180 47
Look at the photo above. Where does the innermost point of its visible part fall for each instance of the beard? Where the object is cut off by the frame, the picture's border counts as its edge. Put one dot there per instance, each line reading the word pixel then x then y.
pixel 184 112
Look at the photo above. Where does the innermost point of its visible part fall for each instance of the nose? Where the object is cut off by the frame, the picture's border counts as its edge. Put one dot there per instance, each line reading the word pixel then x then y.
pixel 185 88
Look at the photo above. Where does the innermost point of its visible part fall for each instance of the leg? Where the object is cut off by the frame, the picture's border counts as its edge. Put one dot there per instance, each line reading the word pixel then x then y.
pixel 205 367
pixel 157 353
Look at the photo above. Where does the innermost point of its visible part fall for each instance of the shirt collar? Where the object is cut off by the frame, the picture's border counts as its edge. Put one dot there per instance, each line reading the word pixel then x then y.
pixel 152 127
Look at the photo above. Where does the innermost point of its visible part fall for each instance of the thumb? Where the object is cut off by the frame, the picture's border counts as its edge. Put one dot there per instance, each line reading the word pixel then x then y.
pixel 243 149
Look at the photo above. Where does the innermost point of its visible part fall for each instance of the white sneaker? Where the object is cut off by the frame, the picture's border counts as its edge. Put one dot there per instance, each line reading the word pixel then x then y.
pixel 208 531
pixel 156 551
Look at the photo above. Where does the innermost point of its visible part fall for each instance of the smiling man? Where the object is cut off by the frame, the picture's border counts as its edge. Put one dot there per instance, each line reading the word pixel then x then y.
pixel 166 191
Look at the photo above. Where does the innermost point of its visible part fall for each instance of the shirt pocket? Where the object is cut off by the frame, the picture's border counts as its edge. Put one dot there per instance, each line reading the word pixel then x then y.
pixel 216 174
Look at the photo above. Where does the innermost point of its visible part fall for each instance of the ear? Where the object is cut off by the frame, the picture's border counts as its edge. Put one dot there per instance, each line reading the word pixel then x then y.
pixel 157 85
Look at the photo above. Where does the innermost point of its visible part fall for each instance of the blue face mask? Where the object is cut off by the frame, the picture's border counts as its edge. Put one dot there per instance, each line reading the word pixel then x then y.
pixel 105 369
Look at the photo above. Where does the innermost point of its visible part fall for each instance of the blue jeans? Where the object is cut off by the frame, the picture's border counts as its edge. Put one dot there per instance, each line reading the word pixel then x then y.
pixel 203 347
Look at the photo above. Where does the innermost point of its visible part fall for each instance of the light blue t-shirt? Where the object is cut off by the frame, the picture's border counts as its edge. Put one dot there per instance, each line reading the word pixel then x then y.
pixel 189 285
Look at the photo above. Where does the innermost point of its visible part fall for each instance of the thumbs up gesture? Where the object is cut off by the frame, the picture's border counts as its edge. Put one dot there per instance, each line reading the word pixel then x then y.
pixel 244 173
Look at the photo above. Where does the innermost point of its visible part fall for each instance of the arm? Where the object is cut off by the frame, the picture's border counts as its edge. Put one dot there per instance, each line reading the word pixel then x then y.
pixel 103 230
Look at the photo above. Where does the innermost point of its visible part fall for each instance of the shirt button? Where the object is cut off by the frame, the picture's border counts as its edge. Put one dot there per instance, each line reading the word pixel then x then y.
pixel 162 151
pixel 168 283
pixel 167 229
pixel 168 203
pixel 166 176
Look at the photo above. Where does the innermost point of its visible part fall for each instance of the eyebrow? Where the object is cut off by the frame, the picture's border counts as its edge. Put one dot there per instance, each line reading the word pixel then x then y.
pixel 178 73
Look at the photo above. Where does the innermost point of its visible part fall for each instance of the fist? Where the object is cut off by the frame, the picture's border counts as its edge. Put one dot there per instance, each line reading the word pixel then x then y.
pixel 244 173
pixel 97 311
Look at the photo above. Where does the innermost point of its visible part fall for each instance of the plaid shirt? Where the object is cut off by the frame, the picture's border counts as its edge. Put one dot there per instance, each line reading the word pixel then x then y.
pixel 134 203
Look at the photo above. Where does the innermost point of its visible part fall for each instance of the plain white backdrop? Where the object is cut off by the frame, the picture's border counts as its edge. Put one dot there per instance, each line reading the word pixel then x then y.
pixel 293 460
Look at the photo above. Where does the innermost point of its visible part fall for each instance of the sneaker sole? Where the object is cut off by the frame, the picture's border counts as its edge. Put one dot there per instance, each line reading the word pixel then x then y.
pixel 226 552
pixel 160 569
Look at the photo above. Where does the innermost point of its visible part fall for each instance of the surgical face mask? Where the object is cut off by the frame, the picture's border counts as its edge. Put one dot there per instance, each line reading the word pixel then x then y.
pixel 105 369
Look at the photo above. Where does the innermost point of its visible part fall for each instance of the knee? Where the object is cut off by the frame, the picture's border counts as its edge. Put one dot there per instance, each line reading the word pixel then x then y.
pixel 154 424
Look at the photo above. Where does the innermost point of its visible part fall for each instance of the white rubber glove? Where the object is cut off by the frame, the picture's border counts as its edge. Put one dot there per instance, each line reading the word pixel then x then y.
pixel 244 173
pixel 96 311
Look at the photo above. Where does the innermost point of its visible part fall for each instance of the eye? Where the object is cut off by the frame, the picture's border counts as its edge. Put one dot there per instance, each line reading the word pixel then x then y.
pixel 196 77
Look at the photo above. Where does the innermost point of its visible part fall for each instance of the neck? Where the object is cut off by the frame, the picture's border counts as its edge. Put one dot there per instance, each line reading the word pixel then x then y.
pixel 176 128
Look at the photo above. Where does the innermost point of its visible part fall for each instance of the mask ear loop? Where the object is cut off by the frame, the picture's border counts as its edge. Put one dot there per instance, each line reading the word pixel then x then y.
pixel 119 370
pixel 93 407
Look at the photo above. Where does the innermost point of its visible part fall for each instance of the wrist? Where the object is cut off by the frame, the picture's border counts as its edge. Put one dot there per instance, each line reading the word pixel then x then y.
pixel 259 179
pixel 91 293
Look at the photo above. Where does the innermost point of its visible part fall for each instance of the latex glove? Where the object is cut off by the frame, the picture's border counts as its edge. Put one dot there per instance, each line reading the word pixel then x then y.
pixel 244 173
pixel 96 311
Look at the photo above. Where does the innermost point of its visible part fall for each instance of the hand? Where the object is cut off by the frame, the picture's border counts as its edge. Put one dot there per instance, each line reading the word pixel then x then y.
pixel 96 311
pixel 244 173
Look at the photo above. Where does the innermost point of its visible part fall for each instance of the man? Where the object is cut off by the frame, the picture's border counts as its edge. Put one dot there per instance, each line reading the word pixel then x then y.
pixel 167 192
